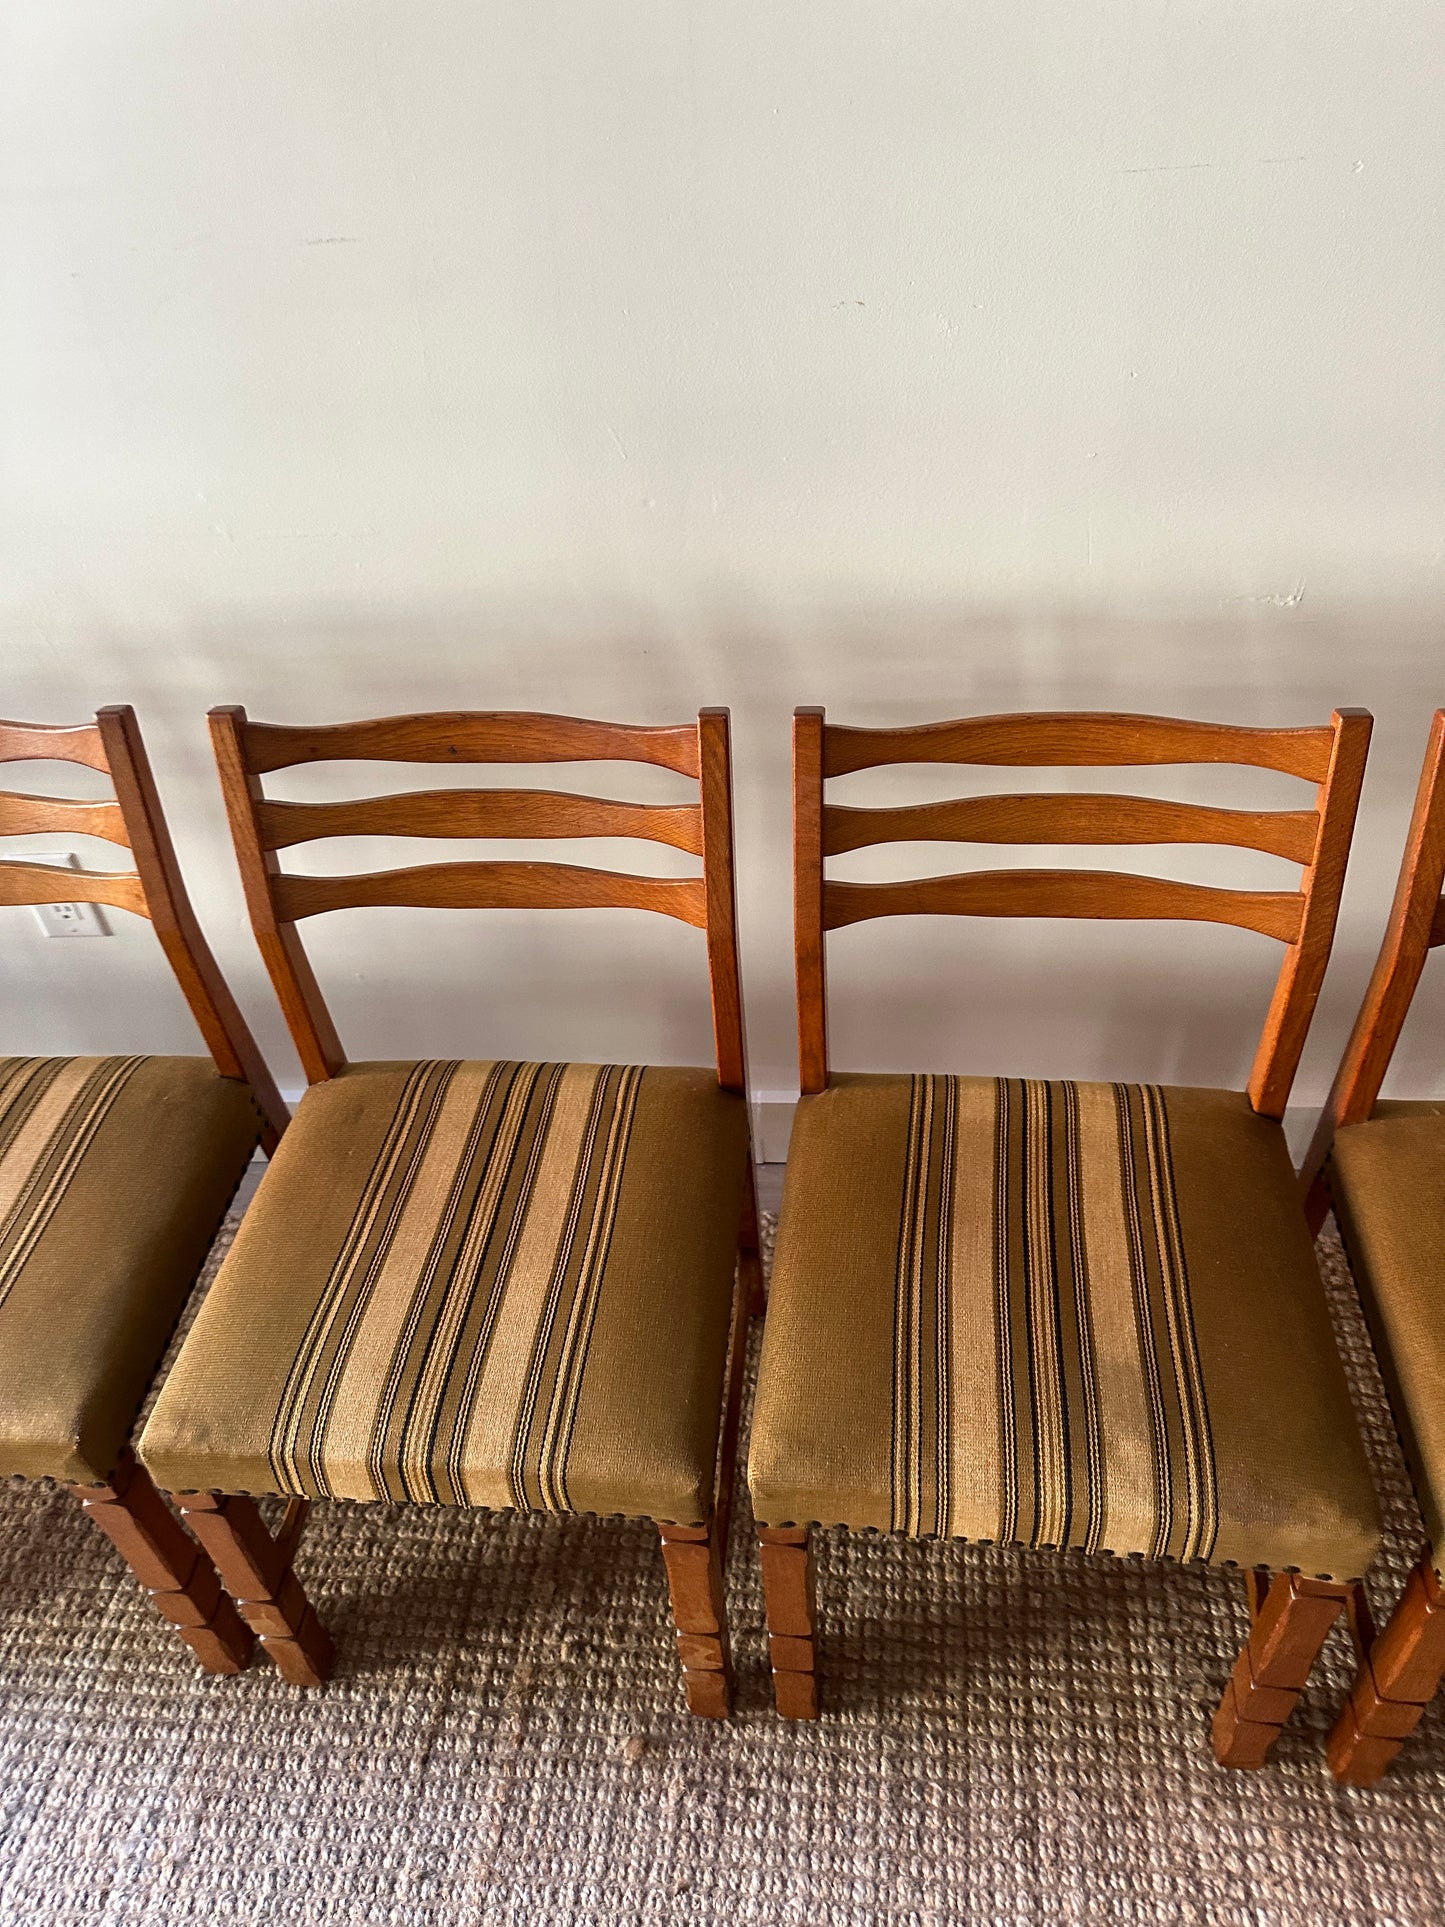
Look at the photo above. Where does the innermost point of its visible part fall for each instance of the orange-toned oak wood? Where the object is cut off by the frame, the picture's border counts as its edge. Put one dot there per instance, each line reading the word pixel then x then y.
pixel 1292 1618
pixel 1064 893
pixel 1333 757
pixel 790 1599
pixel 1086 818
pixel 481 813
pixel 1083 739
pixel 1399 1675
pixel 1409 935
pixel 53 743
pixel 182 1582
pixel 261 827
pixel 256 1569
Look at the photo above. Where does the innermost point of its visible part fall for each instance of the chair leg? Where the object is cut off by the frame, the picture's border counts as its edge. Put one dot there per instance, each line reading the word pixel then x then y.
pixel 693 1558
pixel 1292 1617
pixel 750 1257
pixel 789 1595
pixel 183 1584
pixel 257 1570
pixel 1396 1681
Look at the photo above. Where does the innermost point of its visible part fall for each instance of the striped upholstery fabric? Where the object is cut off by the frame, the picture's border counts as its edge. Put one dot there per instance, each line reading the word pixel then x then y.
pixel 488 1284
pixel 1056 1314
pixel 1387 1183
pixel 114 1175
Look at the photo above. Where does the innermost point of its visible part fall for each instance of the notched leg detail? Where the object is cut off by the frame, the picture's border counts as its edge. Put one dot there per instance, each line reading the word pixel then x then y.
pixel 1292 1617
pixel 1397 1679
pixel 183 1584
pixel 790 1597
pixel 693 1558
pixel 257 1570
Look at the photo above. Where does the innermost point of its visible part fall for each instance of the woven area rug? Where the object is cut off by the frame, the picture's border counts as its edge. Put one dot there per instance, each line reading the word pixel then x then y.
pixel 1007 1738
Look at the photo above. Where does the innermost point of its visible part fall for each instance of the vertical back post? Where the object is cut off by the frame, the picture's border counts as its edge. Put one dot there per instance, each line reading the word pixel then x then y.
pixel 1397 968
pixel 297 990
pixel 228 1036
pixel 1297 988
pixel 715 795
pixel 808 899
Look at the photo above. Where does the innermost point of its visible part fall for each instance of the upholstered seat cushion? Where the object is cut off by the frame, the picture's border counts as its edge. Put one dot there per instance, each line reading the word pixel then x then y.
pixel 1059 1314
pixel 115 1173
pixel 489 1284
pixel 1387 1180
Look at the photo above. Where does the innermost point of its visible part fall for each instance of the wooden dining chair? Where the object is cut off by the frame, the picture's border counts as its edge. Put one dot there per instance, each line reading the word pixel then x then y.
pixel 1056 1313
pixel 493 1284
pixel 1381 1164
pixel 115 1174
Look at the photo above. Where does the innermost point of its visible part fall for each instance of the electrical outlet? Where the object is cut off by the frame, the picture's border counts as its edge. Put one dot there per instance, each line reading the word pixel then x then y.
pixel 69 919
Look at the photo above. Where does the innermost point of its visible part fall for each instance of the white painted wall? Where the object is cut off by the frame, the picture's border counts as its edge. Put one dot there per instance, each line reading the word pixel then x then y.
pixel 615 359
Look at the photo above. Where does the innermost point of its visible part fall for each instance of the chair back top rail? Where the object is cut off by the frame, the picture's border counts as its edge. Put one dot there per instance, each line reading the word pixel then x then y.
pixel 1081 740
pixel 481 813
pixel 1088 817
pixel 1332 757
pixel 53 743
pixel 113 745
pixel 460 736
pixel 1416 925
pixel 278 900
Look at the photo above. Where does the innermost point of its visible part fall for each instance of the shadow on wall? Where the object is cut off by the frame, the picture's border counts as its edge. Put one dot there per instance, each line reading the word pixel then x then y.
pixel 1171 1001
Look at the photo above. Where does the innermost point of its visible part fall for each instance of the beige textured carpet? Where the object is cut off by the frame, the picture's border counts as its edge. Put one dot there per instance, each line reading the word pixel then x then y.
pixel 1006 1739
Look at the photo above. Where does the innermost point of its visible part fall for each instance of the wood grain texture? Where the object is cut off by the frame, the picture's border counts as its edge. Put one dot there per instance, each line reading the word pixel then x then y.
pixel 790 1600
pixel 255 1569
pixel 692 1556
pixel 22 882
pixel 287 965
pixel 481 813
pixel 1080 739
pixel 1297 988
pixel 1398 1677
pixel 1085 818
pixel 1289 1628
pixel 1414 925
pixel 22 815
pixel 720 913
pixel 492 886
pixel 1064 893
pixel 52 742
pixel 503 736
pixel 810 736
pixel 182 1582
pixel 216 1012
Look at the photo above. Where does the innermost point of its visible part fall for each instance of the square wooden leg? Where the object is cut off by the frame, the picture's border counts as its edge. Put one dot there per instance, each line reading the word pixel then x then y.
pixel 1397 1678
pixel 788 1593
pixel 693 1557
pixel 257 1570
pixel 182 1582
pixel 1292 1618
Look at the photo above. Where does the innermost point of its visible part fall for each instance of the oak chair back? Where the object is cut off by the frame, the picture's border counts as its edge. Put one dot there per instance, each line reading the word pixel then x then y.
pixel 1415 928
pixel 132 819
pixel 263 827
pixel 1332 757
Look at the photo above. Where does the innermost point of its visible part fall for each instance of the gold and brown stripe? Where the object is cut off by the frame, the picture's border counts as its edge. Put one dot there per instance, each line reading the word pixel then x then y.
pixel 492 1181
pixel 51 1109
pixel 1064 1264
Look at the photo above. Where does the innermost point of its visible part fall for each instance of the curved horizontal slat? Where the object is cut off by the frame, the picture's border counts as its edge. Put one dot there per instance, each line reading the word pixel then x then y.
pixel 1079 739
pixel 466 736
pixel 22 815
pixel 541 813
pixel 1064 893
pixel 48 883
pixel 1087 818
pixel 493 886
pixel 53 743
